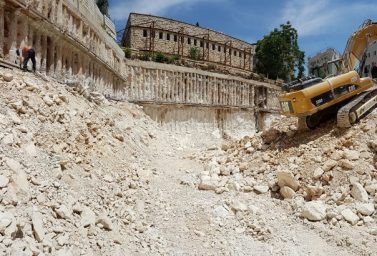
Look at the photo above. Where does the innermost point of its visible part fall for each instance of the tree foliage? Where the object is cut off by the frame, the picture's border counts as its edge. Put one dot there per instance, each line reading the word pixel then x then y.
pixel 278 54
pixel 103 6
pixel 194 53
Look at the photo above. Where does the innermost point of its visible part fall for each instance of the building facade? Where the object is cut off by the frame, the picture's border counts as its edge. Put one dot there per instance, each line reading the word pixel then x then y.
pixel 147 33
pixel 323 63
pixel 371 58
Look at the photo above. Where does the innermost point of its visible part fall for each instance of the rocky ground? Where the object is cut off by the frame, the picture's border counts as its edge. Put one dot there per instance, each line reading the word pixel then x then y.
pixel 81 175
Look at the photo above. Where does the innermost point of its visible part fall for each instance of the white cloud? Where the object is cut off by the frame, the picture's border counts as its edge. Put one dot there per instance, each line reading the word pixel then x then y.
pixel 121 10
pixel 325 16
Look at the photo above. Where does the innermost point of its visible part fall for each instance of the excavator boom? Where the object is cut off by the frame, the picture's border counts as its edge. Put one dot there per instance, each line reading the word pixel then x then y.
pixel 357 43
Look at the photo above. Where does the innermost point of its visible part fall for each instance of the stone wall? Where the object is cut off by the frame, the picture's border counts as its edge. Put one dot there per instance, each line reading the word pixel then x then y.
pixel 157 34
pixel 203 125
pixel 180 97
pixel 150 82
pixel 67 37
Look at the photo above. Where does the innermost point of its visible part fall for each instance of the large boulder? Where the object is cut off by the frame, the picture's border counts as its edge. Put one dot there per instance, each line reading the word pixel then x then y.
pixel 286 178
pixel 314 211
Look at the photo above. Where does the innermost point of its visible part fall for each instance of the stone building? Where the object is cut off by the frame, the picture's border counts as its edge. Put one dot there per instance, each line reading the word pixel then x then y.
pixel 322 64
pixel 157 34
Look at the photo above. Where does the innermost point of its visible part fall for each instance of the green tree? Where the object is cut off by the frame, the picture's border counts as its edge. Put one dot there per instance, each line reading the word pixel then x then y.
pixel 194 53
pixel 278 54
pixel 103 6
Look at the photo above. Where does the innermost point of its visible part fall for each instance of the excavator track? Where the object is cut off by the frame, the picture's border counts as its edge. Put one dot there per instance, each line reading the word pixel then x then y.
pixel 357 108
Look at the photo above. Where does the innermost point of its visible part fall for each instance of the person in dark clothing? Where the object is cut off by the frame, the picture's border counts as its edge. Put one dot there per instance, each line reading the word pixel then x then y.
pixel 28 53
pixel 374 70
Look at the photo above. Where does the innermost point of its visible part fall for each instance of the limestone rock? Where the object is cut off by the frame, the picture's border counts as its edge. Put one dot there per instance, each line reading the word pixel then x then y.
pixel 38 228
pixel 287 192
pixel 270 135
pixel 206 183
pixel 313 192
pixel 286 178
pixel 63 212
pixel 8 139
pixel 243 166
pixel 108 178
pixel 247 145
pixel 88 217
pixel 30 83
pixel 3 181
pixel 371 188
pixel 19 178
pixel 359 193
pixel 373 145
pixel 220 212
pixel 6 220
pixel 365 209
pixel 329 164
pixel 346 164
pixel 261 189
pixel 48 100
pixel 8 77
pixel 350 216
pixel 314 211
pixel 351 155
pixel 317 173
pixel 238 206
pixel 105 222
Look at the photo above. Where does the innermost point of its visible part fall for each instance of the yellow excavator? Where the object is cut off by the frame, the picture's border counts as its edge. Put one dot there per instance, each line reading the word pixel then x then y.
pixel 345 94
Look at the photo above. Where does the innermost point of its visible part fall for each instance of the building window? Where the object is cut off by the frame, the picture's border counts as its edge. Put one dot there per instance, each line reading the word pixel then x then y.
pixel 230 51
pixel 189 40
pixel 201 44
pixel 219 48
pixel 161 35
pixel 207 45
pixel 168 37
pixel 375 52
pixel 145 33
pixel 213 47
pixel 235 53
pixel 182 39
pixel 175 38
pixel 224 49
pixel 195 42
pixel 153 34
pixel 240 54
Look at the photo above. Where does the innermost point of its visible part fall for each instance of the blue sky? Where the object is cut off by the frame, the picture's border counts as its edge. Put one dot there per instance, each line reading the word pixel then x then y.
pixel 320 23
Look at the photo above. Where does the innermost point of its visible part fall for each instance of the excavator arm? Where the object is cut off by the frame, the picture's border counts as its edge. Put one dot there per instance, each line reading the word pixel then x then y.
pixel 356 45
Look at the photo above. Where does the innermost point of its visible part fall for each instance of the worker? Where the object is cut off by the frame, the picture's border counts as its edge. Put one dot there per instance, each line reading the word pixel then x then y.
pixel 374 70
pixel 28 53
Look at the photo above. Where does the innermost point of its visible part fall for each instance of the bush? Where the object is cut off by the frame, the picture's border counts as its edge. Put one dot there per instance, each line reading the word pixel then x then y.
pixel 174 59
pixel 147 56
pixel 161 58
pixel 194 53
pixel 211 66
pixel 127 53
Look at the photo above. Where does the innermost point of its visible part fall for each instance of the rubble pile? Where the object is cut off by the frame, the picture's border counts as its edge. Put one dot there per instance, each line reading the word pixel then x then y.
pixel 327 175
pixel 69 169
pixel 83 175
